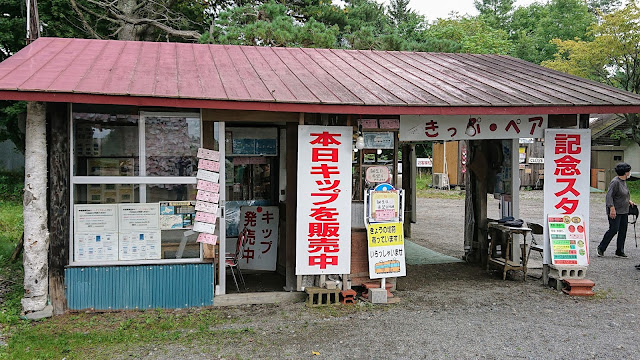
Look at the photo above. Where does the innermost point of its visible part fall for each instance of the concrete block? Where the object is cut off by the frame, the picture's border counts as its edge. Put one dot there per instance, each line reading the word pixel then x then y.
pixel 47 312
pixel 331 284
pixel 579 287
pixel 560 272
pixel 378 296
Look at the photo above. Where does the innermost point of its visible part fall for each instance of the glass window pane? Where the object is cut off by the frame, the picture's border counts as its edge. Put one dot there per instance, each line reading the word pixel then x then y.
pixel 171 145
pixel 106 193
pixel 105 145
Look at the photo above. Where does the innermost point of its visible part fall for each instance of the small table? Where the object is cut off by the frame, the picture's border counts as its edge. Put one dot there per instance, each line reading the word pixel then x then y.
pixel 498 231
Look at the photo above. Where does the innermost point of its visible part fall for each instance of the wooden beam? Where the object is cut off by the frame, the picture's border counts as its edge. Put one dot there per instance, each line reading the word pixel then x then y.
pixel 291 207
pixel 59 195
pixel 245 116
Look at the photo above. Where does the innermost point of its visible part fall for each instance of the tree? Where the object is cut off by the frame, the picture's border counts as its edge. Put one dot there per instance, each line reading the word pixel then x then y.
pixel 533 27
pixel 496 13
pixel 399 11
pixel 612 57
pixel 468 35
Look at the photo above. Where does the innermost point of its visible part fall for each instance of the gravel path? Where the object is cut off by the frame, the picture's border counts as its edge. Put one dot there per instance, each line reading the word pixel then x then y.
pixel 453 311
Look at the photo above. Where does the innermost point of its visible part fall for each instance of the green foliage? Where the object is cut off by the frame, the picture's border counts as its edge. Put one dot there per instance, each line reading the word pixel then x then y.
pixel 610 57
pixel 11 274
pixel 468 35
pixel 534 27
pixel 634 190
pixel 11 185
pixel 495 13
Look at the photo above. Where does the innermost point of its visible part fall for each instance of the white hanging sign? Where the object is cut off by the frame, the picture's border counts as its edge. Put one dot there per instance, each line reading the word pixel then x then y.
pixel 323 222
pixel 471 127
pixel 260 249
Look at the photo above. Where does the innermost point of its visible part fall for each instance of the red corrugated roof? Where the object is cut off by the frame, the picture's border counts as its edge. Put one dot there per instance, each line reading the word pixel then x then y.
pixel 296 79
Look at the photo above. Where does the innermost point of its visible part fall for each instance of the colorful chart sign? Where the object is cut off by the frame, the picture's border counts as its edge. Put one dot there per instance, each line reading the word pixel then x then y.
pixel 177 214
pixel 569 245
pixel 386 250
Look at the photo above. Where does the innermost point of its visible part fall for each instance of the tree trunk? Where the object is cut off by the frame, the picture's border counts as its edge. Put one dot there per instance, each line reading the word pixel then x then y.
pixel 59 194
pixel 36 233
pixel 128 31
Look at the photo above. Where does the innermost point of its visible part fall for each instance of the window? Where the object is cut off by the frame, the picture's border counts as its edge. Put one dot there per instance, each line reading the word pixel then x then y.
pixel 133 179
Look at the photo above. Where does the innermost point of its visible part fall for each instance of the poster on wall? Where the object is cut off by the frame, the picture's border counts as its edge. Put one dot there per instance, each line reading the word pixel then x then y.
pixel 567 154
pixel 323 226
pixel 177 214
pixel 567 236
pixel 140 245
pixel 260 249
pixel 138 217
pixel 386 250
pixel 384 206
pixel 95 246
pixel 95 218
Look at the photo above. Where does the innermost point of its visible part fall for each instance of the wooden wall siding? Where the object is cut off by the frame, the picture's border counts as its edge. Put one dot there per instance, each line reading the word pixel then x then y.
pixel 297 79
pixel 59 188
pixel 452 161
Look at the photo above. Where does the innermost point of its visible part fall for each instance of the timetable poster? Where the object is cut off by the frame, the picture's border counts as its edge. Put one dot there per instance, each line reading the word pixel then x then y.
pixel 95 218
pixel 567 236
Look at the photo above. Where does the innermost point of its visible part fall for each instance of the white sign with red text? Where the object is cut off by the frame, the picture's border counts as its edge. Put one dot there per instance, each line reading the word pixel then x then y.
pixel 260 249
pixel 471 127
pixel 323 226
pixel 567 154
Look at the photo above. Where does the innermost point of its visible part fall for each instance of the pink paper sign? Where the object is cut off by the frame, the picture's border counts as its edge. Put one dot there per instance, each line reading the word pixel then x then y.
pixel 206 217
pixel 208 186
pixel 383 215
pixel 209 154
pixel 208 196
pixel 206 207
pixel 389 123
pixel 207 238
pixel 209 165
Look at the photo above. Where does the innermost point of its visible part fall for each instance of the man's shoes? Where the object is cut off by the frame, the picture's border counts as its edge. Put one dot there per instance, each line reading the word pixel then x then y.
pixel 638 266
pixel 621 255
pixel 600 252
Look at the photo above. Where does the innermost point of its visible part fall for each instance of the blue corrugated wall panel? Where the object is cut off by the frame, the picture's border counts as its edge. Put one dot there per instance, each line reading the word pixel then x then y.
pixel 139 287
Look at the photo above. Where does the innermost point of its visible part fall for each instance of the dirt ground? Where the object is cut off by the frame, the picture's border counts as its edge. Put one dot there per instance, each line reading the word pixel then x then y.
pixel 454 311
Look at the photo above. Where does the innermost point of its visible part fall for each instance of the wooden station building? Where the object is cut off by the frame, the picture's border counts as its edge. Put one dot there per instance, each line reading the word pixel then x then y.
pixel 112 123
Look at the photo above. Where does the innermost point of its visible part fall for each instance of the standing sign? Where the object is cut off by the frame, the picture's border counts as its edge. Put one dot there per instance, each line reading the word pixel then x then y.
pixel 568 240
pixel 566 187
pixel 385 233
pixel 323 226
pixel 261 247
pixel 386 250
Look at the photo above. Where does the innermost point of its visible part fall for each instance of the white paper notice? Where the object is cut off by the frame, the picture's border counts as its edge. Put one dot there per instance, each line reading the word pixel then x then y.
pixel 204 227
pixel 139 217
pixel 139 245
pixel 95 246
pixel 95 218
pixel 208 175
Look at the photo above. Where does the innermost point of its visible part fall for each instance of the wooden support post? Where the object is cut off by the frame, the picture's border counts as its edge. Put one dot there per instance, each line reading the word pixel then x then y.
pixel 59 195
pixel 291 282
pixel 36 230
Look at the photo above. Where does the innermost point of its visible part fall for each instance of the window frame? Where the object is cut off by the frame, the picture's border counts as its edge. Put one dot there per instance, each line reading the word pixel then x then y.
pixel 135 180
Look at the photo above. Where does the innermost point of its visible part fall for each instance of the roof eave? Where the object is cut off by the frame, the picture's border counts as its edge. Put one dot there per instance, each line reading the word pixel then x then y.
pixel 311 107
